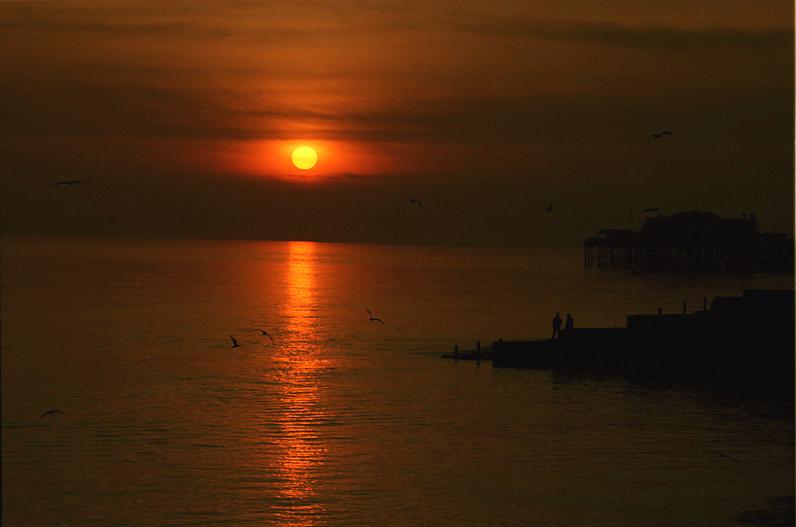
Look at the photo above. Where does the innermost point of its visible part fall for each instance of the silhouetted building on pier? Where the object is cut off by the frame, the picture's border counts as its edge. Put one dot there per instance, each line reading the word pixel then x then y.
pixel 691 241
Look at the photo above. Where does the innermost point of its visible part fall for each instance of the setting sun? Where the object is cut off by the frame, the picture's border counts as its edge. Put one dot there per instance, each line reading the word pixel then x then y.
pixel 304 157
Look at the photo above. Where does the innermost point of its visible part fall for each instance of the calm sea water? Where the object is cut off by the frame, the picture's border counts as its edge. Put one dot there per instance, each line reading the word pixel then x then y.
pixel 342 421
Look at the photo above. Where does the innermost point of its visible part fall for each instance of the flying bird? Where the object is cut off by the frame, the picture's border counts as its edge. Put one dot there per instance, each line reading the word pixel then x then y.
pixel 50 412
pixel 659 135
pixel 723 454
pixel 655 209
pixel 234 342
pixel 416 202
pixel 264 333
pixel 372 318
pixel 70 182
pixel 550 208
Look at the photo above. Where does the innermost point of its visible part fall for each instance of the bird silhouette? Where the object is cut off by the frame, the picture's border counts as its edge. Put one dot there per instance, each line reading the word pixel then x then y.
pixel 550 208
pixel 372 318
pixel 724 454
pixel 70 182
pixel 416 202
pixel 234 342
pixel 659 135
pixel 50 412
pixel 655 209
pixel 264 333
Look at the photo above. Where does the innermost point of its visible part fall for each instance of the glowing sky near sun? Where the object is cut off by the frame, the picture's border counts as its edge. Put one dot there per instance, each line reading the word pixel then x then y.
pixel 500 107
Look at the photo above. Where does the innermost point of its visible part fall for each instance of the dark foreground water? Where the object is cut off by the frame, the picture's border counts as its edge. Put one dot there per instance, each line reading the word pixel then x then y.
pixel 346 422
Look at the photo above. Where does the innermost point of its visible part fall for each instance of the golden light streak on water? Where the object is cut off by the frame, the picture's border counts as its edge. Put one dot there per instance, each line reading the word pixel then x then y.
pixel 344 422
pixel 300 453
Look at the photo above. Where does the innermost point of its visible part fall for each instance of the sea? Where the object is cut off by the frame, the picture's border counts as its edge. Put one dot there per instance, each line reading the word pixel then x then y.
pixel 334 419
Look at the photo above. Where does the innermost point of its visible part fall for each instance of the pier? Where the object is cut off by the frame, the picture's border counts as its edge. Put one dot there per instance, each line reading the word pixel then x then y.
pixel 691 242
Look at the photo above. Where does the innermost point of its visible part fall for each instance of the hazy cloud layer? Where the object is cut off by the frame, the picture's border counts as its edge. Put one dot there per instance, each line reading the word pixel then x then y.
pixel 495 108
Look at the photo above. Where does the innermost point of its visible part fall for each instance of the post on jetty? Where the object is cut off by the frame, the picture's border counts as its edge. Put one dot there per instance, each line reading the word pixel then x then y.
pixel 477 354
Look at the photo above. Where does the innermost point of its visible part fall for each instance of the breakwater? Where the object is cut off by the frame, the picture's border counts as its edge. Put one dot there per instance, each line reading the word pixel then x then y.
pixel 744 342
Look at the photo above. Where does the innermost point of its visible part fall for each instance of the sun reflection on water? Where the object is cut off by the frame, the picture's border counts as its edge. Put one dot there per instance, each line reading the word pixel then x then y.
pixel 300 450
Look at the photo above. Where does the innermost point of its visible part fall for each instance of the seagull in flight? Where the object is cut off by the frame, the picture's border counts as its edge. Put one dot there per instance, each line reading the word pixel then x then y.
pixel 724 454
pixel 550 208
pixel 372 318
pixel 50 412
pixel 234 342
pixel 416 202
pixel 264 333
pixel 659 135
pixel 655 209
pixel 70 182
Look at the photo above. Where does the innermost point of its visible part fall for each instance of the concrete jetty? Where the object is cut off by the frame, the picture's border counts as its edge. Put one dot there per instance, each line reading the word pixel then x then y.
pixel 747 340
pixel 477 354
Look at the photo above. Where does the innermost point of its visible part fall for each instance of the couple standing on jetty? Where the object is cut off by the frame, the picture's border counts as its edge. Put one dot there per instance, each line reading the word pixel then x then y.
pixel 557 325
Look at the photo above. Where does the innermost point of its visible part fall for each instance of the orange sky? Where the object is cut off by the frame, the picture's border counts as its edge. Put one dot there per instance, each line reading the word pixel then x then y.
pixel 166 107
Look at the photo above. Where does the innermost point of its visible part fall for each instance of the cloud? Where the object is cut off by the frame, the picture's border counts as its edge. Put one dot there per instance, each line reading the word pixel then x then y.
pixel 451 92
pixel 280 23
pixel 653 37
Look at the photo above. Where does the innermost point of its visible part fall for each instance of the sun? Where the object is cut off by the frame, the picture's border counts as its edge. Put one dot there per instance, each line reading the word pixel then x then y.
pixel 304 157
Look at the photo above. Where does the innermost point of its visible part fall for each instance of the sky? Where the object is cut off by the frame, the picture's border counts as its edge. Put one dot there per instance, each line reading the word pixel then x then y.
pixel 181 117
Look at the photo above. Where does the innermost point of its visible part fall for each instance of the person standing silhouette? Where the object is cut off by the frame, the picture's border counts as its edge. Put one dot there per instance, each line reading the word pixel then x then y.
pixel 556 326
pixel 569 324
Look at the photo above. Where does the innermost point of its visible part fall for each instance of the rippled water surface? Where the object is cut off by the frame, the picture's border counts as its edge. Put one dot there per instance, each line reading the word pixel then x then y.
pixel 342 421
